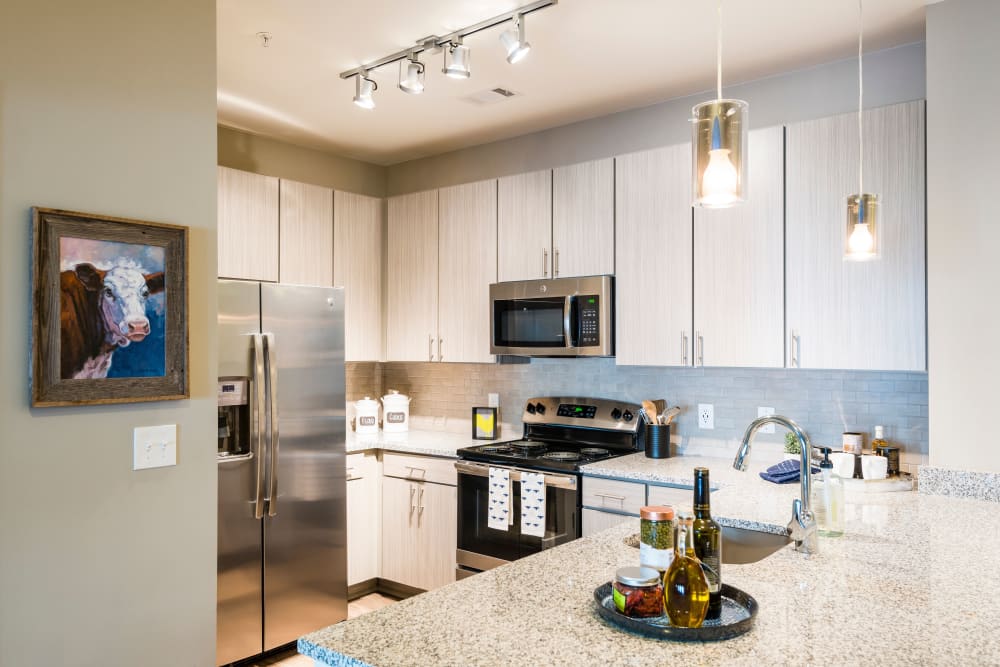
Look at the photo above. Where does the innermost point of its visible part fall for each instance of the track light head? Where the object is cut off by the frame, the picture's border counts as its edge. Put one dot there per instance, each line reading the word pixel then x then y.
pixel 514 41
pixel 364 89
pixel 411 75
pixel 456 61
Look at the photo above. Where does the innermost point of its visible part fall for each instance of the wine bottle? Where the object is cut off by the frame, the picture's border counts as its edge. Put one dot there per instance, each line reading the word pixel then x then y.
pixel 708 541
pixel 685 588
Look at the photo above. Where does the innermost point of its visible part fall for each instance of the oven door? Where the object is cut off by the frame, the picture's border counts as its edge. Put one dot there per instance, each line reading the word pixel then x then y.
pixel 481 547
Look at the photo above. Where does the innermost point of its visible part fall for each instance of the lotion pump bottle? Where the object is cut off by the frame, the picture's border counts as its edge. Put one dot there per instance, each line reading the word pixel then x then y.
pixel 828 498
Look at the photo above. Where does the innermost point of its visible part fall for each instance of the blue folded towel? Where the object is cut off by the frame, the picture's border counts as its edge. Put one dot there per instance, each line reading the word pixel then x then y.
pixel 785 472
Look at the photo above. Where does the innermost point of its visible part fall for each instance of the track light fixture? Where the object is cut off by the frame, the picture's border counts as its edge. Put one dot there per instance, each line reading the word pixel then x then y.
pixel 514 41
pixel 364 89
pixel 456 56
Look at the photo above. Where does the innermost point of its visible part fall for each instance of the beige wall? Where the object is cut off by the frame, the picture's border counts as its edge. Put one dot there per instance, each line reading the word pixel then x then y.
pixel 963 232
pixel 262 155
pixel 107 107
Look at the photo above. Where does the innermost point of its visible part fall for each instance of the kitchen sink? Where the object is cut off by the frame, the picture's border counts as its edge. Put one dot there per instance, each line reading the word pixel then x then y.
pixel 740 545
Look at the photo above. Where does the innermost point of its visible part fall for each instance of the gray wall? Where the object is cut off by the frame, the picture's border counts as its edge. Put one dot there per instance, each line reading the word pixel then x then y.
pixel 893 75
pixel 261 155
pixel 963 231
pixel 107 107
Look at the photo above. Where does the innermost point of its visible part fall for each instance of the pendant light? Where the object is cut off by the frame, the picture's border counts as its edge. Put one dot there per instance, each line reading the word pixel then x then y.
pixel 719 144
pixel 862 209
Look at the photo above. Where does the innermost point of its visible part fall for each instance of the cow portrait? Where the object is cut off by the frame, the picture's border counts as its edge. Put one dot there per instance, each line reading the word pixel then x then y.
pixel 102 311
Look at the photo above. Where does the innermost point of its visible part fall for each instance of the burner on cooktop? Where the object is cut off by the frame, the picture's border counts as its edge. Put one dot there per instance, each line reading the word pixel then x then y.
pixel 496 449
pixel 594 451
pixel 528 445
pixel 562 456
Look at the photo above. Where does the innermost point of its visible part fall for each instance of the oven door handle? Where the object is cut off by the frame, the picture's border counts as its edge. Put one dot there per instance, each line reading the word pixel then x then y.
pixel 483 470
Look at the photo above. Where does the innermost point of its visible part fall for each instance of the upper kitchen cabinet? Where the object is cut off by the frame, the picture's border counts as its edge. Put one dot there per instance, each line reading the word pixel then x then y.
pixel 305 234
pixel 583 219
pixel 357 267
pixel 739 267
pixel 524 221
pixel 412 277
pixel 467 251
pixel 850 314
pixel 247 225
pixel 653 245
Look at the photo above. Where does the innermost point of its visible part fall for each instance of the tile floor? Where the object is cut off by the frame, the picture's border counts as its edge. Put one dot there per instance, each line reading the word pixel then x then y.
pixel 355 608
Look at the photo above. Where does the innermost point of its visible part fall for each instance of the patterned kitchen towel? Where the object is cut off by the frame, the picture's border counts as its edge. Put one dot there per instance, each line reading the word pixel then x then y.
pixel 785 472
pixel 499 509
pixel 533 504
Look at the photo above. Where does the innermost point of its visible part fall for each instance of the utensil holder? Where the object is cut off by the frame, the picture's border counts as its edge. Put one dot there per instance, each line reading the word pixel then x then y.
pixel 658 441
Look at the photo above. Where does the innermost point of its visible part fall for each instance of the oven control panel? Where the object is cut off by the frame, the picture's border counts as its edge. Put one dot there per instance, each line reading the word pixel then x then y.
pixel 575 411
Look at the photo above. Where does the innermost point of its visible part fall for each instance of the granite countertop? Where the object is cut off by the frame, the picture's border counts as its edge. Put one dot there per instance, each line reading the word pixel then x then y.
pixel 430 443
pixel 912 581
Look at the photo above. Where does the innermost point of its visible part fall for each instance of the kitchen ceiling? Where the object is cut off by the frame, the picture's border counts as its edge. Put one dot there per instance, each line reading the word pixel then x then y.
pixel 588 58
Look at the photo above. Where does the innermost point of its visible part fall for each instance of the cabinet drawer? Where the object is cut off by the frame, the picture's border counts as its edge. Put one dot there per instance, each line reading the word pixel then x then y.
pixel 679 499
pixel 419 468
pixel 610 494
pixel 594 521
pixel 360 465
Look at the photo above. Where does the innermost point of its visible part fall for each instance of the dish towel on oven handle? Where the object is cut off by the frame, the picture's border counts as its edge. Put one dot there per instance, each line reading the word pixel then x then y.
pixel 533 504
pixel 499 505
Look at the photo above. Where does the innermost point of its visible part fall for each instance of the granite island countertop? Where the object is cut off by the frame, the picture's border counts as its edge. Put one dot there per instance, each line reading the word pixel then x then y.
pixel 914 580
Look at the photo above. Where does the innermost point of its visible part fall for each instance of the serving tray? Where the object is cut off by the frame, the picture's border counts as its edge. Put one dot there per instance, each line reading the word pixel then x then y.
pixel 738 613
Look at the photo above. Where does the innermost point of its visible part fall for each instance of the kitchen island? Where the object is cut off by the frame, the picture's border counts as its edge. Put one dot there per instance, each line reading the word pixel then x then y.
pixel 914 580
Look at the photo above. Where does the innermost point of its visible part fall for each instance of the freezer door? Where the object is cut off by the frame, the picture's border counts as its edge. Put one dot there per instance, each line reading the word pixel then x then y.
pixel 305 535
pixel 239 626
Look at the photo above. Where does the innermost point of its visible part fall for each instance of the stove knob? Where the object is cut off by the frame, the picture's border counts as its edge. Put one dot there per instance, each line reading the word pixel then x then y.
pixel 531 409
pixel 540 408
pixel 616 413
pixel 627 416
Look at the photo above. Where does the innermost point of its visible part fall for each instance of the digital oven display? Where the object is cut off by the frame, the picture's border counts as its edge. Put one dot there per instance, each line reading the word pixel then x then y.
pixel 577 411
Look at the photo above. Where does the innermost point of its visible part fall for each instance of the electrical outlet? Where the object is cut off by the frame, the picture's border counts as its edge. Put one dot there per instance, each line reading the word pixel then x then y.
pixel 706 415
pixel 493 400
pixel 766 412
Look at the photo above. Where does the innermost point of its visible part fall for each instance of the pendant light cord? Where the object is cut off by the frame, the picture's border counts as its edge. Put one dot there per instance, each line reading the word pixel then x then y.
pixel 718 55
pixel 861 97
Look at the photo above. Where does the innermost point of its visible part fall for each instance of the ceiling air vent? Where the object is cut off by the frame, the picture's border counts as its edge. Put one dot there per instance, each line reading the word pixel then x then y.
pixel 491 96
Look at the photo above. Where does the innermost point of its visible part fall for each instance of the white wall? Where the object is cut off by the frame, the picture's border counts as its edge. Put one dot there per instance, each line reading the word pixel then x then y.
pixel 108 107
pixel 963 232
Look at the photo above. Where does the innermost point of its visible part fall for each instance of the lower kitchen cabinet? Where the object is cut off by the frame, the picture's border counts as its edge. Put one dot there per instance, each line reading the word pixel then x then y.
pixel 594 521
pixel 612 502
pixel 418 530
pixel 363 501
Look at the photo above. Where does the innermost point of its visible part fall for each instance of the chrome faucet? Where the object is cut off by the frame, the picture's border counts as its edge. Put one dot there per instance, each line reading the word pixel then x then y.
pixel 802 527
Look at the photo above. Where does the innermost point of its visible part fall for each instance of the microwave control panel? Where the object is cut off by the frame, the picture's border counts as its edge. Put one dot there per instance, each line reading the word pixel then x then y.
pixel 590 320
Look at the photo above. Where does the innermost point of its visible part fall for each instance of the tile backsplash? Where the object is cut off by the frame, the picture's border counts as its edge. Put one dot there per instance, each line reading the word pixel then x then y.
pixel 824 403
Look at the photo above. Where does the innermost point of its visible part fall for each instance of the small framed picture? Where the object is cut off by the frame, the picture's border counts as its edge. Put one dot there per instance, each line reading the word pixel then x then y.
pixel 484 423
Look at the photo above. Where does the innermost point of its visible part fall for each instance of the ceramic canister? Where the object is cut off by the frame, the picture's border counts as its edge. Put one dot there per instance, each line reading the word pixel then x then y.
pixel 366 415
pixel 396 412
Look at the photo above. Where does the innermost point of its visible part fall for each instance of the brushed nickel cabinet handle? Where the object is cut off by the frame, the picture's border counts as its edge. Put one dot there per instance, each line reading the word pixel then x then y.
pixel 555 263
pixel 684 346
pixel 701 348
pixel 795 343
pixel 440 356
pixel 430 348
pixel 412 505
pixel 545 262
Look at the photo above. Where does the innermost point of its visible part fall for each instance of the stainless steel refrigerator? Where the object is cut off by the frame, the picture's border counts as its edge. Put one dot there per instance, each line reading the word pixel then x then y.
pixel 282 559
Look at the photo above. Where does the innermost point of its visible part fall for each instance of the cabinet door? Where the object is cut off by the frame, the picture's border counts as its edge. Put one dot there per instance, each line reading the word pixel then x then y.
pixel 850 314
pixel 524 226
pixel 467 254
pixel 248 225
pixel 583 219
pixel 306 234
pixel 400 540
pixel 411 275
pixel 739 287
pixel 362 523
pixel 437 512
pixel 595 521
pixel 653 281
pixel 357 267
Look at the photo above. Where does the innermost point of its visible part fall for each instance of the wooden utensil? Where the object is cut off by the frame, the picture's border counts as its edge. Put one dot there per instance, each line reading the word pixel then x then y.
pixel 650 409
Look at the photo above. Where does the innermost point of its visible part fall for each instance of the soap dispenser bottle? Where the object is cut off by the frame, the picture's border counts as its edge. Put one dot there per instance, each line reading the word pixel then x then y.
pixel 828 498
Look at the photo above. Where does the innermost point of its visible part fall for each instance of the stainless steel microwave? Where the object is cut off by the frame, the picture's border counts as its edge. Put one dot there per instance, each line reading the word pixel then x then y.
pixel 562 317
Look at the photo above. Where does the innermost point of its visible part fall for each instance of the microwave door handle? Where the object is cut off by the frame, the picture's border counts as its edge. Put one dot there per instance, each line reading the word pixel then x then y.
pixel 257 401
pixel 568 338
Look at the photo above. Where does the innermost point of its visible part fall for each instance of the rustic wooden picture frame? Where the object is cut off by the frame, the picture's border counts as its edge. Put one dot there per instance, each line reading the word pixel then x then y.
pixel 49 387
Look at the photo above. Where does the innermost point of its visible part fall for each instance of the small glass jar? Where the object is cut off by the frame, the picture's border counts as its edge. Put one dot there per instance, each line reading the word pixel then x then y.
pixel 656 536
pixel 638 592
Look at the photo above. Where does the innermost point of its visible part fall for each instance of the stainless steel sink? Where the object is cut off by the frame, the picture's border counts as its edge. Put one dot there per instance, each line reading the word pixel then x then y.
pixel 741 545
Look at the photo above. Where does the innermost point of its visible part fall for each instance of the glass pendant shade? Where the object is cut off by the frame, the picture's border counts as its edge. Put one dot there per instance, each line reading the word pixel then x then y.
pixel 514 42
pixel 364 92
pixel 861 238
pixel 456 61
pixel 719 153
pixel 411 76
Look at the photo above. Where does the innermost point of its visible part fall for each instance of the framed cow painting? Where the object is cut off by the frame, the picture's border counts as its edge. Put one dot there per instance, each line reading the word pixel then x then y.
pixel 109 320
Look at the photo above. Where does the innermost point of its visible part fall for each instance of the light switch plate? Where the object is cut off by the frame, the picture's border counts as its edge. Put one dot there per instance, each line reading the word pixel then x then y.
pixel 154 446
pixel 766 412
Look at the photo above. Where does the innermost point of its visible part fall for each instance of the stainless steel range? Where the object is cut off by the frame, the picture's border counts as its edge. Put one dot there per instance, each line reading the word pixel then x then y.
pixel 561 434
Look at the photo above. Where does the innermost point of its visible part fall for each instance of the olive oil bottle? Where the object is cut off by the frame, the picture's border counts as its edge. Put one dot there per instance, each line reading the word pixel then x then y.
pixel 708 542
pixel 685 588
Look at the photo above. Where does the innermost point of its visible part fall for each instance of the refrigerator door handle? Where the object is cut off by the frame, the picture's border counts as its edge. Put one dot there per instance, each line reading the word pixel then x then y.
pixel 257 400
pixel 272 444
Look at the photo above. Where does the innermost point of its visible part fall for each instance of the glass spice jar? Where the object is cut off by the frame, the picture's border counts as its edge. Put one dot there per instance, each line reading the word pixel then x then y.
pixel 638 592
pixel 656 536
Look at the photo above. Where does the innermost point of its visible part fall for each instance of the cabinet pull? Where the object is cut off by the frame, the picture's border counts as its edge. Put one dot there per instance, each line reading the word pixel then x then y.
pixel 430 348
pixel 545 262
pixel 555 262
pixel 420 501
pixel 611 496
pixel 440 356
pixel 684 346
pixel 701 348
pixel 412 506
pixel 796 362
